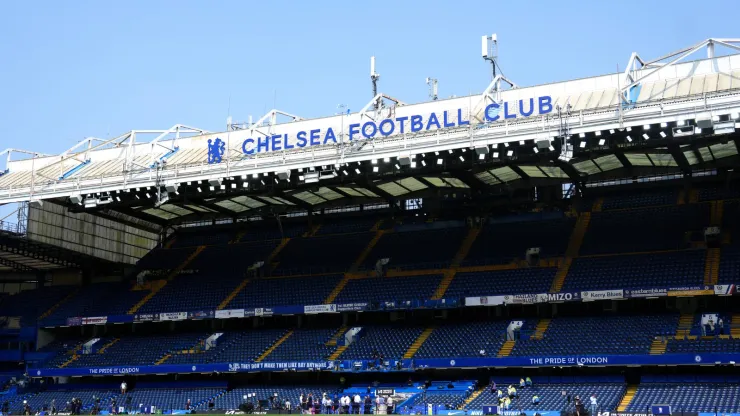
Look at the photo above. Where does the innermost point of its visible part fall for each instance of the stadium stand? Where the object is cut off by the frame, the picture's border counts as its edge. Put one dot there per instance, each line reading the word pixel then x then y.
pixel 486 337
pixel 389 288
pixel 29 305
pixel 415 246
pixel 389 341
pixel 321 254
pixel 688 393
pixel 606 335
pixel 504 282
pixel 285 291
pixel 501 242
pixel 651 270
pixel 645 229
pixel 608 390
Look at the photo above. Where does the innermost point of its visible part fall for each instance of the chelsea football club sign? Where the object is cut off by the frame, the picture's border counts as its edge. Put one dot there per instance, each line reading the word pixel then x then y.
pixel 309 133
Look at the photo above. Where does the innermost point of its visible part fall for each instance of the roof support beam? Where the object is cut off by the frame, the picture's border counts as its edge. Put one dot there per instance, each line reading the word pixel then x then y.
pixel 16 266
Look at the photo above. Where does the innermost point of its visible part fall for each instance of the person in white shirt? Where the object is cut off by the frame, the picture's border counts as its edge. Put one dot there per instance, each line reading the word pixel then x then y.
pixel 344 402
pixel 594 406
pixel 123 387
pixel 389 403
pixel 356 404
pixel 287 405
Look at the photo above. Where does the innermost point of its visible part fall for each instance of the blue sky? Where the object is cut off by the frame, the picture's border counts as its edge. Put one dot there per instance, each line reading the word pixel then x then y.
pixel 73 69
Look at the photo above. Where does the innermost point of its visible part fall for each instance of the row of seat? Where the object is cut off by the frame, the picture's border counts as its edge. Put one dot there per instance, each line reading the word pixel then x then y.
pixel 682 397
pixel 624 334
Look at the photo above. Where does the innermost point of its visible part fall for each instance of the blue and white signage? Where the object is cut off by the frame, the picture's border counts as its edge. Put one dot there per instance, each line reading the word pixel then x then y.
pixel 402 120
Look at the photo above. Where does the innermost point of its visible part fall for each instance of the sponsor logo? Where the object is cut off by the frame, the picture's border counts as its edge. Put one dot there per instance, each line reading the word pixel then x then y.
pixel 173 316
pixel 311 309
pixel 95 320
pixel 230 313
pixel 216 149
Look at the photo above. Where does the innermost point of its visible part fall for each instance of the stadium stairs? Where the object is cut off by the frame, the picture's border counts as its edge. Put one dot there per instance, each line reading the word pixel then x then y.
pixel 170 243
pixel 361 258
pixel 735 326
pixel 163 359
pixel 596 207
pixel 461 254
pixel 108 345
pixel 70 361
pixel 540 329
pixel 658 346
pixel 58 304
pixel 273 346
pixel 681 197
pixel 224 303
pixel 693 196
pixel 685 322
pixel 574 247
pixel 174 273
pixel 356 265
pixel 474 395
pixel 335 355
pixel 711 266
pixel 716 212
pixel 337 290
pixel 238 237
pixel 334 338
pixel 284 242
pixel 315 229
pixel 418 343
pixel 627 398
pixel 234 293
pixel 506 348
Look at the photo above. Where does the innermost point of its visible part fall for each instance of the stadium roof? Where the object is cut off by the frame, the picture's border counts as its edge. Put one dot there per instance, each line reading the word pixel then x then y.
pixel 658 117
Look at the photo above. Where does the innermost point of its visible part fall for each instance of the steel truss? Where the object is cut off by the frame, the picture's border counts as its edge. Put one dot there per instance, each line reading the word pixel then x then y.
pixel 533 128
pixel 638 69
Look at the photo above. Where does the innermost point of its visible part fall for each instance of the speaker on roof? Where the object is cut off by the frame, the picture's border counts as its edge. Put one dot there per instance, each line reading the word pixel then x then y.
pixel 543 144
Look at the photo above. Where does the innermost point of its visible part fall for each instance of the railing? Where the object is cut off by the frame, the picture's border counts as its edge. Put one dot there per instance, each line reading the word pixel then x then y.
pixel 12 227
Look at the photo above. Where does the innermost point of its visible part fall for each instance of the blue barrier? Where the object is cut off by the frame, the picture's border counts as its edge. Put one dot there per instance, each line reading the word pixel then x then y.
pixel 406 364
pixel 587 360
pixel 179 369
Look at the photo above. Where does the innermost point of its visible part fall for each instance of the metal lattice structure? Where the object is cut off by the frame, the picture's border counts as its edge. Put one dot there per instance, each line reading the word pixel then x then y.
pixel 663 116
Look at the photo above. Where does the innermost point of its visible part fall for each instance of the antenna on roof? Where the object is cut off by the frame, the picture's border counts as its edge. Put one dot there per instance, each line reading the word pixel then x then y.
pixel 374 77
pixel 432 83
pixel 489 50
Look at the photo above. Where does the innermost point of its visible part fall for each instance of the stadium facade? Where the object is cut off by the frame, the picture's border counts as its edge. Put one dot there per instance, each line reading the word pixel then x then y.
pixel 580 232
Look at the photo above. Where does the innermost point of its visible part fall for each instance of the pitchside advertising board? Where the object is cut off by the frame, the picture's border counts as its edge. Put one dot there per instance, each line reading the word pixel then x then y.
pixel 430 363
pixel 521 299
pixel 399 120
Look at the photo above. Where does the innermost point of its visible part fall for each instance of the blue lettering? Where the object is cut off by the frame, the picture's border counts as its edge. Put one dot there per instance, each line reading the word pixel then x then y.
pixel 545 104
pixel 286 142
pixel 353 129
pixel 401 123
pixel 444 120
pixel 531 108
pixel 460 121
pixel 249 142
pixel 433 120
pixel 314 136
pixel 330 136
pixel 276 143
pixel 301 139
pixel 263 142
pixel 387 122
pixel 489 109
pixel 416 124
pixel 374 128
pixel 506 111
